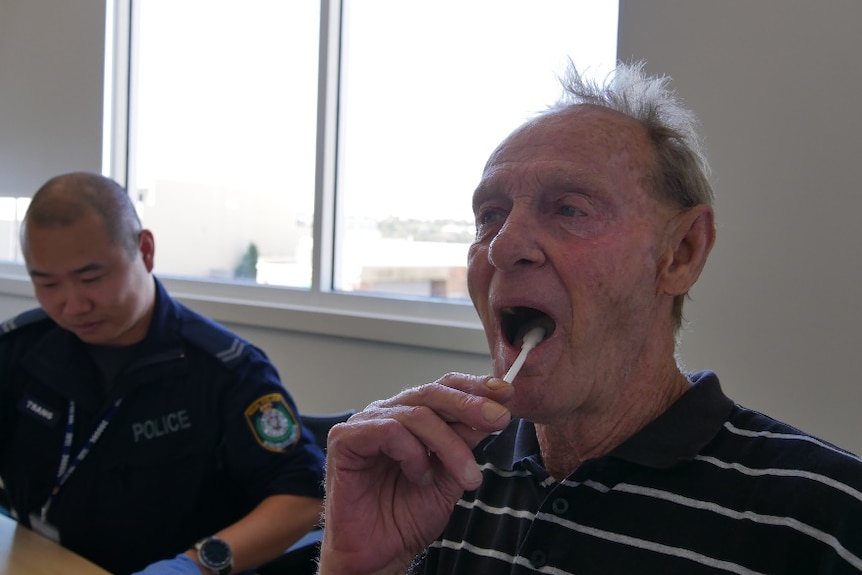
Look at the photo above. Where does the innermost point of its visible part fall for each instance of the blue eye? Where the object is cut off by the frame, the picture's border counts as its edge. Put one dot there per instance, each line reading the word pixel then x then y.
pixel 570 211
pixel 488 217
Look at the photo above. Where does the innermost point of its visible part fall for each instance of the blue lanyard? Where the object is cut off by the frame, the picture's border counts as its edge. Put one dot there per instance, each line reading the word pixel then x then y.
pixel 65 470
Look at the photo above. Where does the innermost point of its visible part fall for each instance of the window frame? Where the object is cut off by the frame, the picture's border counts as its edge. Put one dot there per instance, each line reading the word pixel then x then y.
pixel 449 325
pixel 427 323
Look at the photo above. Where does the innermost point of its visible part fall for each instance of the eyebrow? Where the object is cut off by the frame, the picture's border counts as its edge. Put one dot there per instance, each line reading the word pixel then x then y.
pixel 34 273
pixel 490 185
pixel 552 181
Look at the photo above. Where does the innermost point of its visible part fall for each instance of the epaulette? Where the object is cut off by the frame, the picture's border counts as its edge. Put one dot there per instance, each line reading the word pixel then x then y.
pixel 28 317
pixel 215 339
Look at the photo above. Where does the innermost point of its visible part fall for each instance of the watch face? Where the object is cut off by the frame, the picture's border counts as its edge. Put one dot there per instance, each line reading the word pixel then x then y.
pixel 214 553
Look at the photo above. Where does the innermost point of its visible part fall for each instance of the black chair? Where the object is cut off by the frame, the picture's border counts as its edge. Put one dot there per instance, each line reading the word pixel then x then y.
pixel 4 501
pixel 301 558
pixel 320 423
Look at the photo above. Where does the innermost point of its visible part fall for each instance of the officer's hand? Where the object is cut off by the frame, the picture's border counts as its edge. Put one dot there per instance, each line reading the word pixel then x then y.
pixel 396 469
pixel 182 564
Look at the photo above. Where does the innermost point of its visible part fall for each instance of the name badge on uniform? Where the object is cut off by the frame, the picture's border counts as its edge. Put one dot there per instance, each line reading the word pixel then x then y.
pixel 44 528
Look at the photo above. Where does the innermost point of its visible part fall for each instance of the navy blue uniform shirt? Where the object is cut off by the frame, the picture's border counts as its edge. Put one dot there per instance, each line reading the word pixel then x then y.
pixel 204 432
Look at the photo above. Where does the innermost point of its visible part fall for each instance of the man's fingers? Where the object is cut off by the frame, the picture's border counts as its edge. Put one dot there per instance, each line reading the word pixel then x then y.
pixel 414 437
pixel 429 429
pixel 475 401
pixel 482 385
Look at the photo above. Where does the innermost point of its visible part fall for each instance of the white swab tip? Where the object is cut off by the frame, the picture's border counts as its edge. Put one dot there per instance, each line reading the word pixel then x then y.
pixel 530 340
pixel 534 336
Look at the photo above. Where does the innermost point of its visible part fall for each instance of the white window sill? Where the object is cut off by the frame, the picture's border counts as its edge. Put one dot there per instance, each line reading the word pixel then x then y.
pixel 420 323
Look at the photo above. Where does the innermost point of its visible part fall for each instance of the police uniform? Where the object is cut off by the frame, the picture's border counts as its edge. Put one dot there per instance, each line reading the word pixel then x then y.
pixel 196 431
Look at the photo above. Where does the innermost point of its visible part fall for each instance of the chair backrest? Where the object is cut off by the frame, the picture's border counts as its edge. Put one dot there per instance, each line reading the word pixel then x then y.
pixel 301 558
pixel 320 423
pixel 4 503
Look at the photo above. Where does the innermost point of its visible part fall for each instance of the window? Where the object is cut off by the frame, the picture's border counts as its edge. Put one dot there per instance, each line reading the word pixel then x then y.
pixel 12 210
pixel 222 142
pixel 428 89
pixel 267 149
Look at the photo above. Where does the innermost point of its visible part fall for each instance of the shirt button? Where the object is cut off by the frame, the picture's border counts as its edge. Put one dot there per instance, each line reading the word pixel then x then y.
pixel 560 506
pixel 538 558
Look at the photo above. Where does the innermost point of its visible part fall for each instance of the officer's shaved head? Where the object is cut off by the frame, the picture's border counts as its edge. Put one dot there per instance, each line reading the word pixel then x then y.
pixel 66 198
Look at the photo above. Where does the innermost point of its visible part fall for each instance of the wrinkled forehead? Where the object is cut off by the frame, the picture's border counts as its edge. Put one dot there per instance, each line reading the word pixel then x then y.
pixel 573 131
pixel 581 139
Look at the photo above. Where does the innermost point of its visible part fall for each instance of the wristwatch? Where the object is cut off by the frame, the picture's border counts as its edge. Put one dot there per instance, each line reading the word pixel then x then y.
pixel 215 555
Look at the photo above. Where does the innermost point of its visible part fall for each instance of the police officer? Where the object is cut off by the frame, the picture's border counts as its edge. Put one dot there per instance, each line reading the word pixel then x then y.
pixel 133 430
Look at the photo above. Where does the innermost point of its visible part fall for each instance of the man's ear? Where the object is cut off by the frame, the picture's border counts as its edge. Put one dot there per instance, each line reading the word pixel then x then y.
pixel 147 246
pixel 692 236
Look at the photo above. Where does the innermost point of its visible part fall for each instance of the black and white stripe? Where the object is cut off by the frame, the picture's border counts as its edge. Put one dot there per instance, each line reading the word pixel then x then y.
pixel 757 497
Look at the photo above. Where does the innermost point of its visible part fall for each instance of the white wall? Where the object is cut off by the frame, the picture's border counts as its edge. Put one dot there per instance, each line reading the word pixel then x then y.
pixel 51 70
pixel 776 84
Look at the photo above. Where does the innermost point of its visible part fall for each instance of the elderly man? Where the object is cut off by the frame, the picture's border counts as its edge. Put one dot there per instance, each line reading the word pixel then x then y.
pixel 134 431
pixel 593 221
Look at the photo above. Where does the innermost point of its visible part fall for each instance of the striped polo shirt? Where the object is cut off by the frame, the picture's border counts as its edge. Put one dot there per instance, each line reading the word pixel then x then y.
pixel 709 487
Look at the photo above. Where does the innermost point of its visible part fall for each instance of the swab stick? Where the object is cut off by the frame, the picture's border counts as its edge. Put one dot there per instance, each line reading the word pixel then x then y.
pixel 531 340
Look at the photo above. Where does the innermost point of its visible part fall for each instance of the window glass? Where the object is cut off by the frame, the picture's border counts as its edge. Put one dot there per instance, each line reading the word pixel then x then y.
pixel 12 210
pixel 428 90
pixel 223 130
pixel 9 227
pixel 224 105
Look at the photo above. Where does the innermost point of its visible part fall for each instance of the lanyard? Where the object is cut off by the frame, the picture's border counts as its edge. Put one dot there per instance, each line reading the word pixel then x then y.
pixel 66 468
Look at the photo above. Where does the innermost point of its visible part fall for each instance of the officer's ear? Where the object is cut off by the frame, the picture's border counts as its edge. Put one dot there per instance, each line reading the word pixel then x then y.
pixel 147 247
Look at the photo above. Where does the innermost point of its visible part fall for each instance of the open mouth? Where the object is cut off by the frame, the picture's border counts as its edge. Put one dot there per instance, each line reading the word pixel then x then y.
pixel 516 321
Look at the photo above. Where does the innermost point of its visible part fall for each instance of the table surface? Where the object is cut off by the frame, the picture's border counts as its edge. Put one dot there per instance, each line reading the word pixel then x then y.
pixel 25 552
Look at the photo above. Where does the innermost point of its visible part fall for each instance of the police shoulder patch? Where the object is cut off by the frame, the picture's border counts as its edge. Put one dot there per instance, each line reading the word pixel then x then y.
pixel 273 423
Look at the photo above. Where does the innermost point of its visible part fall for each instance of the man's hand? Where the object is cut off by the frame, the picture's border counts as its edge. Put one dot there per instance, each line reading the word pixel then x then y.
pixel 395 471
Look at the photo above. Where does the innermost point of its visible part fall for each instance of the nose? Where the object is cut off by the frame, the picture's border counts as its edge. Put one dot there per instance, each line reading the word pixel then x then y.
pixel 75 301
pixel 516 243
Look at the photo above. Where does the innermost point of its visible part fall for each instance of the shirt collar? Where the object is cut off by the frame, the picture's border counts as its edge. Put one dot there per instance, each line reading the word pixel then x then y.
pixel 681 432
pixel 676 436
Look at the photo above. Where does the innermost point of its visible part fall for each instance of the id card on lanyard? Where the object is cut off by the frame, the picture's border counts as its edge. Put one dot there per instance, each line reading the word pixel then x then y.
pixel 39 522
